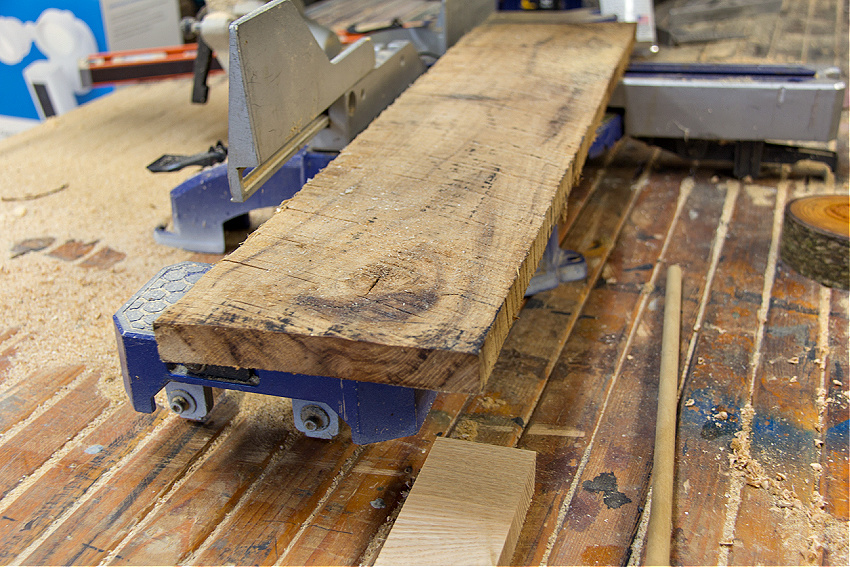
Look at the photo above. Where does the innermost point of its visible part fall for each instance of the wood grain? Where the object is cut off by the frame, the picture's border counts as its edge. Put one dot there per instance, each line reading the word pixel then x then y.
pixel 33 445
pixel 116 507
pixel 405 260
pixel 204 497
pixel 816 238
pixel 785 422
pixel 718 381
pixel 34 511
pixel 19 400
pixel 466 507
pixel 835 481
pixel 613 479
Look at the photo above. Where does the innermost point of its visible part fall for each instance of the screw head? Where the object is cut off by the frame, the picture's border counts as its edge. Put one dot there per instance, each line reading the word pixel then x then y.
pixel 314 418
pixel 312 423
pixel 179 404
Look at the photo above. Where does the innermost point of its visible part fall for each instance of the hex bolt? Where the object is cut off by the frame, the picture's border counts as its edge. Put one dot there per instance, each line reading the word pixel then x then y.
pixel 314 418
pixel 312 423
pixel 179 404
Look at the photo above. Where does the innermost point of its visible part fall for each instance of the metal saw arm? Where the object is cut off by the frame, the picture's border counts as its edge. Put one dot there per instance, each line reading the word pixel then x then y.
pixel 279 94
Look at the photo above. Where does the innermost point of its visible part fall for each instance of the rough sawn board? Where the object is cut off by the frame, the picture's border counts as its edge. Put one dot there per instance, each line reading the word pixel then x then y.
pixel 405 261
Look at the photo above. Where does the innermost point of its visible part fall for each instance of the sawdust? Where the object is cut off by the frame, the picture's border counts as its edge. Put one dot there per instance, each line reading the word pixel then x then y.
pixel 805 526
pixel 274 413
pixel 489 403
pixel 466 429
pixel 63 308
pixel 370 554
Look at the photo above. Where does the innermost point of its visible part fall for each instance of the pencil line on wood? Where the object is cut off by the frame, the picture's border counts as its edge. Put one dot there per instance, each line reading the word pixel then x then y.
pixel 646 293
pixel 733 189
pixel 72 443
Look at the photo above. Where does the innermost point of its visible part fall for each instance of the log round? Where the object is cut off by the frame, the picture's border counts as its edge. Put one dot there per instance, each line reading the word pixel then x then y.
pixel 816 238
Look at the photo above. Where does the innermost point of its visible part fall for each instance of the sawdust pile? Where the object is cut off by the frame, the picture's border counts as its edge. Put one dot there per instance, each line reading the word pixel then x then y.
pixel 806 527
pixel 97 155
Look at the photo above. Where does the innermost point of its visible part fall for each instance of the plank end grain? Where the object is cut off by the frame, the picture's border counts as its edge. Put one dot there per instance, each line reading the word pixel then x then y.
pixel 466 507
pixel 405 261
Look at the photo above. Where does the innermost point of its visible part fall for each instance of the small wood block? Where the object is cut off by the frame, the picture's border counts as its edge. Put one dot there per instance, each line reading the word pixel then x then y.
pixel 467 507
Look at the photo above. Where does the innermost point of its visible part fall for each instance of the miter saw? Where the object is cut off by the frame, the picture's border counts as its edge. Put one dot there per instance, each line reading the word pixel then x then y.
pixel 298 96
pixel 293 103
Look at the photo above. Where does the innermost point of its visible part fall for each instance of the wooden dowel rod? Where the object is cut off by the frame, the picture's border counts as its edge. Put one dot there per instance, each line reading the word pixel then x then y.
pixel 660 527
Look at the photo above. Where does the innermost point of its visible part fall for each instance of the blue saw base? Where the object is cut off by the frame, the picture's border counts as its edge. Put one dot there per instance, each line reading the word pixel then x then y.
pixel 375 412
pixel 202 204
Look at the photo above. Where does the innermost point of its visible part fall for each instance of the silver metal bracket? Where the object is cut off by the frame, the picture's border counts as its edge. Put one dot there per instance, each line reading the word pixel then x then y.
pixel 731 108
pixel 279 94
pixel 189 401
pixel 315 419
pixel 397 65
pixel 285 90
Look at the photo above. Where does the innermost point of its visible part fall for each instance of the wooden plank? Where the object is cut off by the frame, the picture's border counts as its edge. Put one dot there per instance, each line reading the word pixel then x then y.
pixel 466 507
pixel 405 260
pixel 718 380
pixel 116 507
pixel 24 452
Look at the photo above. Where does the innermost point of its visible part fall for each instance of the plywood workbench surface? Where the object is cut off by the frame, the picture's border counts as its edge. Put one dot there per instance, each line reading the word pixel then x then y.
pixel 762 456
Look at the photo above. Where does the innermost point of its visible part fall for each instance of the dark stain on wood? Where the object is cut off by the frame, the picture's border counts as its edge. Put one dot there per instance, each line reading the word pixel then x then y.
pixel 606 483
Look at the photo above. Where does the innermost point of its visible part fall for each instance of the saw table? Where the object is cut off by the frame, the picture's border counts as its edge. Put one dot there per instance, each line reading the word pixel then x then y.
pixel 762 462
